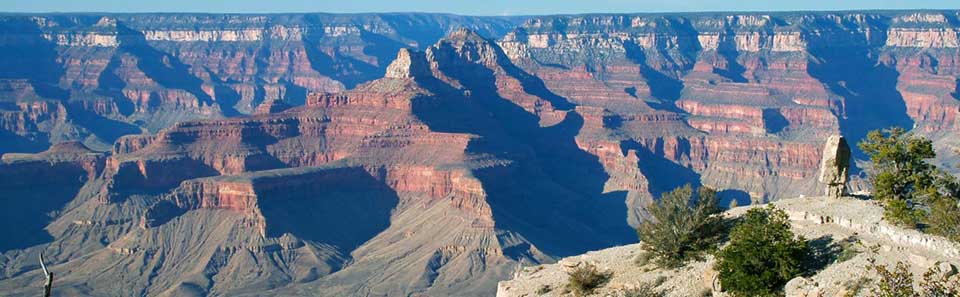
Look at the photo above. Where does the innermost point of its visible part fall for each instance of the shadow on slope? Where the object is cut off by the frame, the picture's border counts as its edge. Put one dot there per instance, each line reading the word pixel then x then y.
pixel 163 68
pixel 111 85
pixel 662 174
pixel 30 196
pixel 27 55
pixel 348 70
pixel 727 49
pixel 107 130
pixel 344 207
pixel 665 88
pixel 774 121
pixel 552 192
pixel 13 143
pixel 663 78
pixel 956 91
pixel 867 85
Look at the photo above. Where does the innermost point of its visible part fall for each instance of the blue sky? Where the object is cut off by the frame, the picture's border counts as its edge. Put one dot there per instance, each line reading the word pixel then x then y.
pixel 471 7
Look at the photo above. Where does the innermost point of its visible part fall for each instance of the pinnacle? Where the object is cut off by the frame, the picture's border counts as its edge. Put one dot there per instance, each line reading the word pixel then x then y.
pixel 408 64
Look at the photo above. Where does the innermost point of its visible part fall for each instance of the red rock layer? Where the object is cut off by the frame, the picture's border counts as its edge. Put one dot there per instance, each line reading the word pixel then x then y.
pixel 928 82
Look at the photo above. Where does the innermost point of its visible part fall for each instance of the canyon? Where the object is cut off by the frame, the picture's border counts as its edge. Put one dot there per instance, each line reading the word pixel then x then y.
pixel 421 154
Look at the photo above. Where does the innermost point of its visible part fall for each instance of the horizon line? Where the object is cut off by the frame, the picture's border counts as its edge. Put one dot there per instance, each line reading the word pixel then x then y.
pixel 478 15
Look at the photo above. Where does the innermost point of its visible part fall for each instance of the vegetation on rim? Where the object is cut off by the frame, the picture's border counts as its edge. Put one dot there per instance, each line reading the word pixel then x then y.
pixel 898 282
pixel 683 226
pixel 914 193
pixel 586 278
pixel 762 255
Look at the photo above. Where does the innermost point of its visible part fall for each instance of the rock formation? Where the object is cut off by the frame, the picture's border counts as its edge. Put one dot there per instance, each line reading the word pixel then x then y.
pixel 408 65
pixel 835 166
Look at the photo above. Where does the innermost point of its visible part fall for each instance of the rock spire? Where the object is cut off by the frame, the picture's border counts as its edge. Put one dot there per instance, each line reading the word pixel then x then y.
pixel 835 166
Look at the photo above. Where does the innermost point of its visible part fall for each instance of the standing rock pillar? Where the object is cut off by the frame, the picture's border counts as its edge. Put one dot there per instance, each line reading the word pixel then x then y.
pixel 835 166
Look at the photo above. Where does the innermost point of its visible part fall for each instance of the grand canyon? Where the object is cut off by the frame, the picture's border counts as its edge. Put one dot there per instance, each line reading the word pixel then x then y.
pixel 418 154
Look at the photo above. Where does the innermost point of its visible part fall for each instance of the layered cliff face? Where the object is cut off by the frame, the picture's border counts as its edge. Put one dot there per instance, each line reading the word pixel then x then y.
pixel 117 74
pixel 761 91
pixel 397 154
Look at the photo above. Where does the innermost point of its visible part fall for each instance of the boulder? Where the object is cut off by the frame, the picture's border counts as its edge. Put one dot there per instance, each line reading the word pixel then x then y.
pixel 711 279
pixel 946 269
pixel 802 287
pixel 835 166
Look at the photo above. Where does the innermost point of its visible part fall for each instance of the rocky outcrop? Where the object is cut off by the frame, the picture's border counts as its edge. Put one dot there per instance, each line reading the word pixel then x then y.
pixel 72 153
pixel 830 221
pixel 835 166
pixel 408 65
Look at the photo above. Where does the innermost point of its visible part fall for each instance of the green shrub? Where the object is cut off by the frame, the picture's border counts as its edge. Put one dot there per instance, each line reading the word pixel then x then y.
pixel 944 203
pixel 937 283
pixel 660 280
pixel 586 278
pixel 913 192
pixel 894 283
pixel 643 259
pixel 681 230
pixel 849 248
pixel 763 254
pixel 644 290
pixel 899 172
pixel 899 282
pixel 902 213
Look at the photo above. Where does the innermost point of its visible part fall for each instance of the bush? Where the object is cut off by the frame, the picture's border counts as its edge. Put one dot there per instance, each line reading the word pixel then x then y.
pixel 763 254
pixel 894 283
pixel 899 282
pixel 849 248
pixel 912 191
pixel 644 290
pixel 899 172
pixel 586 278
pixel 936 283
pixel 643 259
pixel 679 231
pixel 902 213
pixel 942 198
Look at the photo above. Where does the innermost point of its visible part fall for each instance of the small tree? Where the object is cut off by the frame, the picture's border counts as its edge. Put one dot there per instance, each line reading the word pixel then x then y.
pixel 899 172
pixel 586 278
pixel 912 191
pixel 894 283
pixel 944 205
pixel 681 229
pixel 763 254
pixel 899 282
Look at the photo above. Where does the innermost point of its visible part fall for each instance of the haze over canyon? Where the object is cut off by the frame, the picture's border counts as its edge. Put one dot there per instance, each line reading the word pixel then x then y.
pixel 420 154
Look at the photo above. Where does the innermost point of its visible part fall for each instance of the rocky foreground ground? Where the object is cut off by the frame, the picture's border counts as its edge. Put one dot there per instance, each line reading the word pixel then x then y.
pixel 851 230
